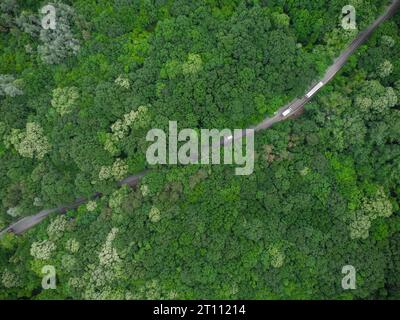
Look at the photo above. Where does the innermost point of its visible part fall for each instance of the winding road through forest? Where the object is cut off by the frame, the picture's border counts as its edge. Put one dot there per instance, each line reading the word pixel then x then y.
pixel 282 114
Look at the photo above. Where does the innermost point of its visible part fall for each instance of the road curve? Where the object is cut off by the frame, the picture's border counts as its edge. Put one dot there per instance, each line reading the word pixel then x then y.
pixel 282 114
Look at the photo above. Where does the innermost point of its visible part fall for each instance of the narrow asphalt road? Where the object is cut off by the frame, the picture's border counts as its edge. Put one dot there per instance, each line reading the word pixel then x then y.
pixel 362 37
pixel 282 114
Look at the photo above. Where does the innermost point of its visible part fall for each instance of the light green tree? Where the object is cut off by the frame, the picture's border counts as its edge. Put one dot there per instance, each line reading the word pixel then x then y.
pixel 31 143
pixel 65 100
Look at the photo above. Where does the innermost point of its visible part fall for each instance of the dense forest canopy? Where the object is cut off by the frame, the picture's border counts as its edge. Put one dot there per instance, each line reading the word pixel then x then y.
pixel 77 101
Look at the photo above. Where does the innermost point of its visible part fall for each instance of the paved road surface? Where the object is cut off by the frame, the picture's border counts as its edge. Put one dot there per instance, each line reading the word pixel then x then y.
pixel 281 115
pixel 298 104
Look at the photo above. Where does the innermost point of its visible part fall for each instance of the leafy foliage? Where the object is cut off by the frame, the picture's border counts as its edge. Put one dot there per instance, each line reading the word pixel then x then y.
pixel 325 190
